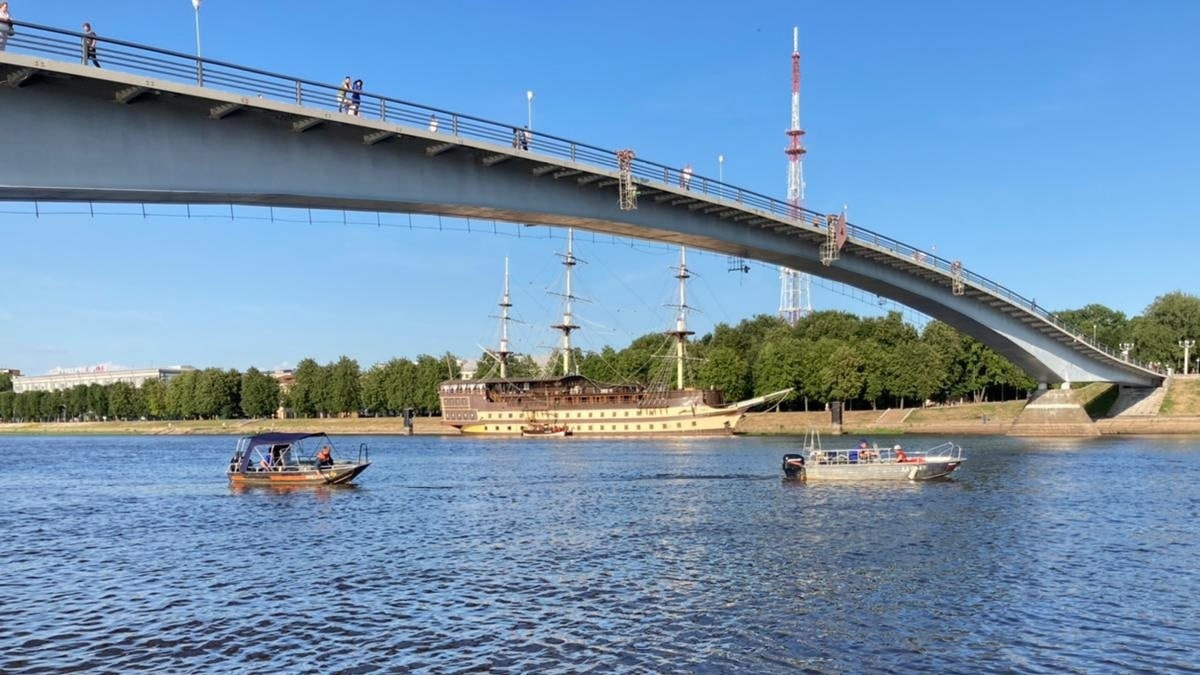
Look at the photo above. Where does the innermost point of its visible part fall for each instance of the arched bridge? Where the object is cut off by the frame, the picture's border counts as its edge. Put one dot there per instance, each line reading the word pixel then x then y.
pixel 164 127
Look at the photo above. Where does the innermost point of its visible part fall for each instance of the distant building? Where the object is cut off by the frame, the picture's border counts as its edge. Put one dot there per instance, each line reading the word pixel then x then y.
pixel 286 378
pixel 10 371
pixel 73 377
pixel 468 369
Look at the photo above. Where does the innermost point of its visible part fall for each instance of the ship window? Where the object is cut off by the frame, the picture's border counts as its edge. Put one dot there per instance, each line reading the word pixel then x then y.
pixel 583 399
pixel 602 413
pixel 679 425
pixel 510 427
pixel 693 422
pixel 627 413
pixel 510 416
pixel 589 427
pixel 639 427
pixel 626 427
pixel 589 414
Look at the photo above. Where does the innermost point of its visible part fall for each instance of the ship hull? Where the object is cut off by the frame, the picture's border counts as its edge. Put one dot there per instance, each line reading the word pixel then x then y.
pixel 610 422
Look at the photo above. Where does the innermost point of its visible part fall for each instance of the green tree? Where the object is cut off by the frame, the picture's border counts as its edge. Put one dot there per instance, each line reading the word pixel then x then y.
pixel 725 369
pixel 877 370
pixel 843 375
pixel 124 402
pixel 260 394
pixel 7 399
pixel 343 393
pixel 915 375
pixel 97 400
pixel 889 331
pixel 77 402
pixel 1108 326
pixel 307 388
pixel 5 382
pixel 780 365
pixel 841 326
pixel 1169 319
pixel 154 394
pixel 950 350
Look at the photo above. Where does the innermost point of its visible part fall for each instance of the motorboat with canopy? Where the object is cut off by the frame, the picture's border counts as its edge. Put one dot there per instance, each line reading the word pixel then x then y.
pixel 293 459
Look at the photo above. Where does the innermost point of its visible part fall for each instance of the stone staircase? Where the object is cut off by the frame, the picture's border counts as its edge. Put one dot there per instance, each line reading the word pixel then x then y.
pixel 892 418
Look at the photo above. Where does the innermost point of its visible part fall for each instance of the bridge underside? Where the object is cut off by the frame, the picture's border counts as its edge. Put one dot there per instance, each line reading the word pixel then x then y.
pixel 75 134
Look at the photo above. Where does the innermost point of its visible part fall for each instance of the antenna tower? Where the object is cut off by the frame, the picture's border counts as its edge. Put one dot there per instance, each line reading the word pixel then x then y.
pixel 795 288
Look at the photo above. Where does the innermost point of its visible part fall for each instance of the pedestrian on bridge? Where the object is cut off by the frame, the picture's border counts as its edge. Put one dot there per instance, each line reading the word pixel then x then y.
pixel 356 97
pixel 6 27
pixel 685 177
pixel 89 45
pixel 344 95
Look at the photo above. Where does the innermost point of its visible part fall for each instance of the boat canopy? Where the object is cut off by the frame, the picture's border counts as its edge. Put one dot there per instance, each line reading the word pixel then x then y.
pixel 276 438
pixel 274 441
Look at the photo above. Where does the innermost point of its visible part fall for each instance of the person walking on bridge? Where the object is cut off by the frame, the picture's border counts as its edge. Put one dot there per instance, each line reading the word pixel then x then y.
pixel 356 97
pixel 89 45
pixel 344 95
pixel 6 27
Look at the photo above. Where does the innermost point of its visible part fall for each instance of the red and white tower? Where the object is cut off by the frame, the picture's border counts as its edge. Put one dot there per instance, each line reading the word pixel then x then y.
pixel 795 288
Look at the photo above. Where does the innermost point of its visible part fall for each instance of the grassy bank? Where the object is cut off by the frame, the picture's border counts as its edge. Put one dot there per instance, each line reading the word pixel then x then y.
pixel 343 426
pixel 1183 398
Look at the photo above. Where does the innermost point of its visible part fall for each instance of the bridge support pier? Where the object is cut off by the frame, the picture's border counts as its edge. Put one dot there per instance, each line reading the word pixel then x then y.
pixel 1053 412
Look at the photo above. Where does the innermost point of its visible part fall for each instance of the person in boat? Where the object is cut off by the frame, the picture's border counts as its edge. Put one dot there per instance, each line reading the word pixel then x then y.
pixel 864 450
pixel 900 455
pixel 324 456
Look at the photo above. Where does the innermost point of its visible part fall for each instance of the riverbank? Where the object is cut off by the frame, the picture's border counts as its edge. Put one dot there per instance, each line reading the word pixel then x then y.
pixel 994 419
pixel 339 426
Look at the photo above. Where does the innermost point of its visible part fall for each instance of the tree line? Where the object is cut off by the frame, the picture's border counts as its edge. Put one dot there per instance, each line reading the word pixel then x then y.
pixel 826 356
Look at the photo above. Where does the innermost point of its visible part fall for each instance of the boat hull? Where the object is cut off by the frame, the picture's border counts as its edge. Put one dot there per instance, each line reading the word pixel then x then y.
pixel 335 475
pixel 927 470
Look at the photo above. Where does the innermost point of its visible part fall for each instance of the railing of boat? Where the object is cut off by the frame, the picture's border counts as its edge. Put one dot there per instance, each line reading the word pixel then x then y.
pixel 876 455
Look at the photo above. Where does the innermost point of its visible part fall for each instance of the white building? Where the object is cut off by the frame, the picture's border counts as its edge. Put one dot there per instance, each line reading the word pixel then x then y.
pixel 69 378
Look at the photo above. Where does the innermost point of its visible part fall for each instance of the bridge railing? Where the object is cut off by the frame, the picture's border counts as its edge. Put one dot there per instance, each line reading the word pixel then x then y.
pixel 224 76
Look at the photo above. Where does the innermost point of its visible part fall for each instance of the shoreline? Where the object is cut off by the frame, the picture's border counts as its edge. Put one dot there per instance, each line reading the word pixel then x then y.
pixel 986 419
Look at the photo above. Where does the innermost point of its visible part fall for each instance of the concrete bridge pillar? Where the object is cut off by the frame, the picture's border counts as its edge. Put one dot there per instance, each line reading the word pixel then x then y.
pixel 1053 412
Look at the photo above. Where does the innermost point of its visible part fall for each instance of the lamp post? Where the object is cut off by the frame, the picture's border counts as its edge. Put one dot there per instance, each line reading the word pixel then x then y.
pixel 1187 346
pixel 199 67
pixel 721 169
pixel 529 109
pixel 1093 332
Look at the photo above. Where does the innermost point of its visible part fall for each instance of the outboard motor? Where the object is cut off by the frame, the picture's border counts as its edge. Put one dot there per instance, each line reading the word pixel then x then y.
pixel 793 466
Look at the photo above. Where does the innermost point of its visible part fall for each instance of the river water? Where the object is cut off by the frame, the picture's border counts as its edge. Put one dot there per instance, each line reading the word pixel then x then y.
pixel 132 554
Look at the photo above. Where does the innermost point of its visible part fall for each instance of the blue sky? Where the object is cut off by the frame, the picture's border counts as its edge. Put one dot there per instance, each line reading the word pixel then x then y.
pixel 1053 147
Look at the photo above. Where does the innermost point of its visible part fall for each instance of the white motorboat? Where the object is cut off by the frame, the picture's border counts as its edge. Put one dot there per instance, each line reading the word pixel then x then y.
pixel 871 463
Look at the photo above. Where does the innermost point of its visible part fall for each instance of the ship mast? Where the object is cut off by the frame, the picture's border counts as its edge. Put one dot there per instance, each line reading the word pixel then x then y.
pixel 567 326
pixel 681 332
pixel 503 353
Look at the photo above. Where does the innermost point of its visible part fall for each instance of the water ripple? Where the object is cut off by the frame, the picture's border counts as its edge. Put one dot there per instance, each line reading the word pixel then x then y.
pixel 682 557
